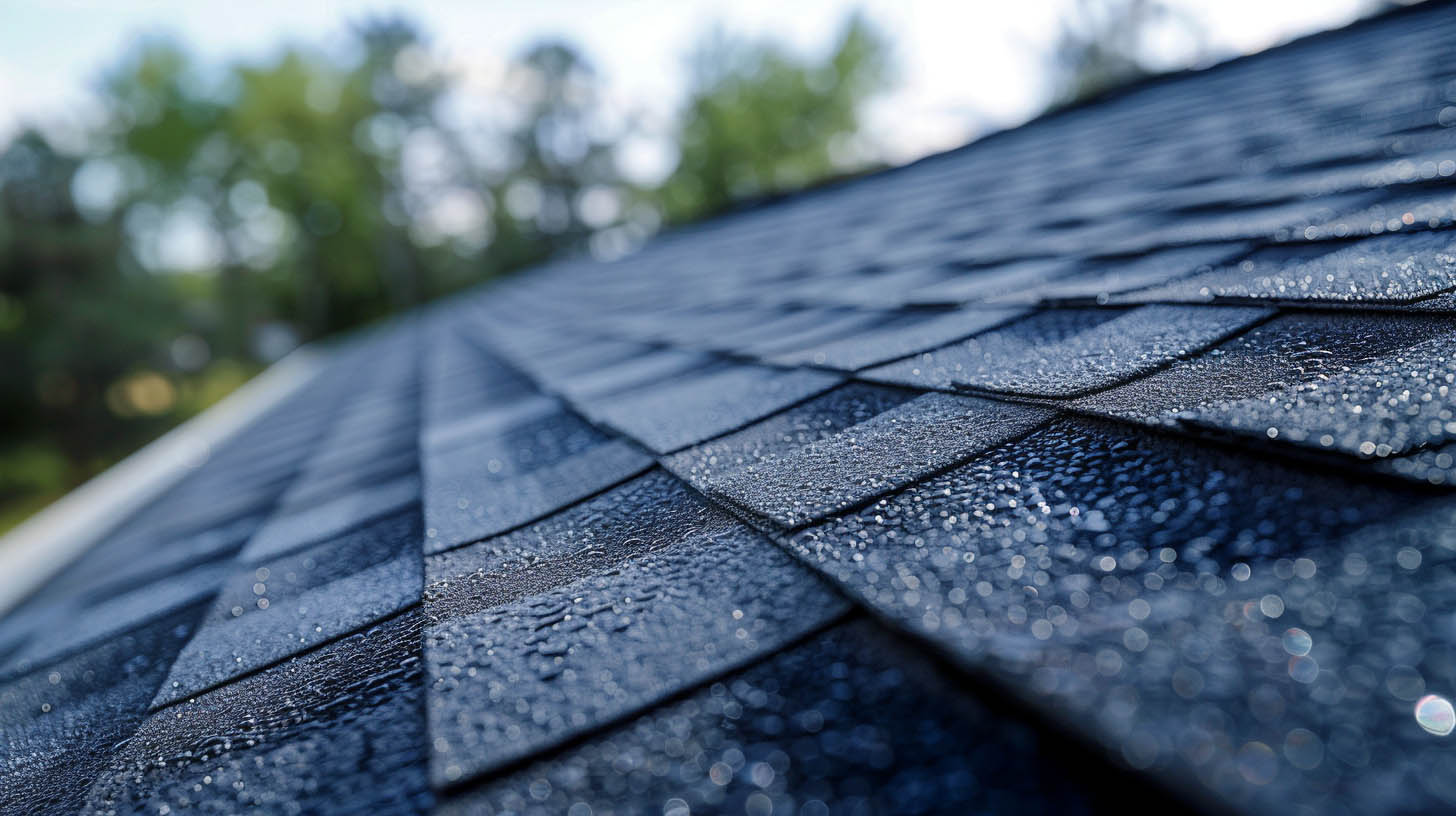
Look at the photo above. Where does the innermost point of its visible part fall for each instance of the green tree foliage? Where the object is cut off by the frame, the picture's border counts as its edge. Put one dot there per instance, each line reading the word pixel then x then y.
pixel 558 154
pixel 294 167
pixel 220 213
pixel 76 316
pixel 761 120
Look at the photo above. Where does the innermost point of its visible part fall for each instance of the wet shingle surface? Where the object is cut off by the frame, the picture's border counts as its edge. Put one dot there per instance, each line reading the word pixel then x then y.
pixel 847 722
pixel 269 610
pixel 1025 360
pixel 524 653
pixel 1101 465
pixel 339 729
pixel 1387 269
pixel 668 416
pixel 839 450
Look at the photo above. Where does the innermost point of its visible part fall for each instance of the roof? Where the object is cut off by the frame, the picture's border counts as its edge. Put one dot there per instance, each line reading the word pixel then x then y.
pixel 1103 463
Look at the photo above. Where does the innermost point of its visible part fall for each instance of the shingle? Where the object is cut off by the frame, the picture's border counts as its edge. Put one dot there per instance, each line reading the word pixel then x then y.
pixel 93 621
pixel 648 367
pixel 580 351
pixel 1288 350
pixel 460 379
pixel 844 448
pixel 1429 210
pixel 269 610
pixel 59 723
pixel 1110 277
pixel 686 410
pixel 488 420
pixel 1279 221
pixel 508 472
pixel 826 326
pixel 878 287
pixel 1140 587
pixel 321 522
pixel 371 467
pixel 1388 269
pixel 647 513
pixel 340 729
pixel 980 284
pixel 1063 355
pixel 850 721
pixel 908 333
pixel 605 643
pixel 1390 405
pixel 73 609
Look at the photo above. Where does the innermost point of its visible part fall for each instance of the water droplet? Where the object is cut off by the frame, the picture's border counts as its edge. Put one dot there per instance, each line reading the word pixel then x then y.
pixel 1435 714
pixel 1297 642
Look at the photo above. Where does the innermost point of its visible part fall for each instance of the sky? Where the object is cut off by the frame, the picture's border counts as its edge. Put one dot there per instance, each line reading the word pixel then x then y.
pixel 963 68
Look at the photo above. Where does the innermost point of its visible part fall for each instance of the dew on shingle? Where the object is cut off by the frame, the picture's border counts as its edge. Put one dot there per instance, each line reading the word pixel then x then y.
pixel 60 723
pixel 1432 210
pixel 1066 353
pixel 1392 405
pixel 1387 269
pixel 823 727
pixel 558 645
pixel 323 592
pixel 520 467
pixel 1101 281
pixel 338 729
pixel 844 448
pixel 1121 578
pixel 686 410
pixel 1291 349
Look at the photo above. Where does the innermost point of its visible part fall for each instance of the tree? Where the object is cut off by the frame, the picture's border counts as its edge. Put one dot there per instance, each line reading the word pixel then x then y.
pixel 1104 44
pixel 760 120
pixel 297 167
pixel 76 316
pixel 559 156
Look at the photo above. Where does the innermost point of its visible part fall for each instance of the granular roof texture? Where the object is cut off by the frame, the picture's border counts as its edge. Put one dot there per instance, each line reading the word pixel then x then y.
pixel 1103 464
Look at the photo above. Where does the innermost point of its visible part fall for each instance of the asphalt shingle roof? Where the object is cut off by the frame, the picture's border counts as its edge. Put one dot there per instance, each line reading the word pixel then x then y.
pixel 1102 463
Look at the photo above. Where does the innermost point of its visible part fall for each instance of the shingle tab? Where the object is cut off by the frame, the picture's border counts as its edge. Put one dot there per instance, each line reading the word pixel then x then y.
pixel 1428 210
pixel 684 411
pixel 1109 277
pixel 59 723
pixel 1388 269
pixel 588 646
pixel 335 517
pixel 106 617
pixel 829 726
pixel 979 285
pixel 1063 356
pixel 647 513
pixel 514 464
pixel 271 609
pixel 845 448
pixel 1292 349
pixel 911 333
pixel 340 729
pixel 1390 405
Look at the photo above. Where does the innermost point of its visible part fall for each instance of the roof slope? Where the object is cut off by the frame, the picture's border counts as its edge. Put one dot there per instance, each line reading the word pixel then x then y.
pixel 1104 462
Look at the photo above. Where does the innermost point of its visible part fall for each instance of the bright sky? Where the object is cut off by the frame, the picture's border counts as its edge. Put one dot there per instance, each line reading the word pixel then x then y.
pixel 964 67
